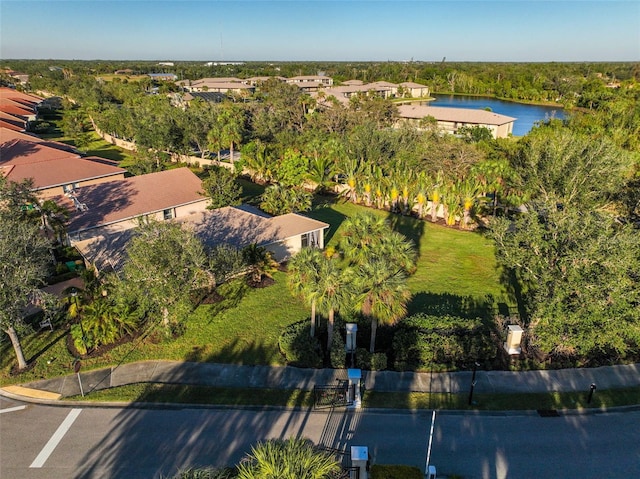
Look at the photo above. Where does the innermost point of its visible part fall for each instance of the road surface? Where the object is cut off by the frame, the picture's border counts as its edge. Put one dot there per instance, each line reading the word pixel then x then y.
pixel 61 442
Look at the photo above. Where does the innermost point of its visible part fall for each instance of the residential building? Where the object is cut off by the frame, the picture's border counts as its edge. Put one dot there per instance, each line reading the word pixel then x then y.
pixel 115 206
pixel 451 119
pixel 55 169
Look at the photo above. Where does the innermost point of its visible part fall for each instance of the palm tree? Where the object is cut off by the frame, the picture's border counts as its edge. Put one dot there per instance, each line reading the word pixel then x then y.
pixel 332 292
pixel 382 294
pixel 469 190
pixel 362 235
pixel 260 262
pixel 294 458
pixel 231 121
pixel 304 277
pixel 452 204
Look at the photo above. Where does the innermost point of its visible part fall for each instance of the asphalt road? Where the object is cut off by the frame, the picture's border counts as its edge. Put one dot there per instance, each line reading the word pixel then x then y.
pixel 60 442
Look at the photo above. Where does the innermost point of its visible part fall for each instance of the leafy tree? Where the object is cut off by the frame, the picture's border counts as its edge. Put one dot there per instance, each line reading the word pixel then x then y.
pixel 223 189
pixel 292 169
pixel 279 200
pixel 165 264
pixel 293 458
pixel 559 166
pixel 225 261
pixel 24 260
pixel 579 275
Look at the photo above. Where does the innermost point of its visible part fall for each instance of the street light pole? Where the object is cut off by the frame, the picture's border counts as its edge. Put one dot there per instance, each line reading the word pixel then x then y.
pixel 592 388
pixel 473 382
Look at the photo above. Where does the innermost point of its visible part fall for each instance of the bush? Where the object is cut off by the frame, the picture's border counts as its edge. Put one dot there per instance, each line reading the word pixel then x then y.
pixel 299 348
pixel 337 355
pixel 440 342
pixel 371 362
pixel 382 471
pixel 78 342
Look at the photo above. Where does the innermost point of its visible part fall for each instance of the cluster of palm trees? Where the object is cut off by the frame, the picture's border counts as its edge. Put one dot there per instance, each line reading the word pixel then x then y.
pixel 367 275
pixel 407 191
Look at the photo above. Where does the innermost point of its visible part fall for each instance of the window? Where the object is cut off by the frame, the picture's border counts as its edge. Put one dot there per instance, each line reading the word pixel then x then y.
pixel 167 214
pixel 304 239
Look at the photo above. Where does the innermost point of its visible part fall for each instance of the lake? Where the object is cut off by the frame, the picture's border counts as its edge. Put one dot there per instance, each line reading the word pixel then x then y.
pixel 526 115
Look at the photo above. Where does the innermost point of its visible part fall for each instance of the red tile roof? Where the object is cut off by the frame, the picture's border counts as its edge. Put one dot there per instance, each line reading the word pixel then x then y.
pixel 15 94
pixel 7 135
pixel 119 200
pixel 12 123
pixel 51 167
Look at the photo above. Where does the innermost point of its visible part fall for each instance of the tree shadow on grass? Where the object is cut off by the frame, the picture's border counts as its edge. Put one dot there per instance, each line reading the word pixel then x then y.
pixel 322 211
pixel 412 228
pixel 440 304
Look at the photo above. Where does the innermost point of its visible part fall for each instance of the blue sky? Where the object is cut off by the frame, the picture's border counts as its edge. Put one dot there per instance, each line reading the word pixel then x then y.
pixel 341 30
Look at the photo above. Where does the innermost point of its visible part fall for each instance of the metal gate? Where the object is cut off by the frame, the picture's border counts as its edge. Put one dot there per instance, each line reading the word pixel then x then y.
pixel 333 396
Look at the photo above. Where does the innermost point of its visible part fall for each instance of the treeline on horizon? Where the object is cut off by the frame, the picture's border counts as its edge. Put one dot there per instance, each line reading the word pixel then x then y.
pixel 562 83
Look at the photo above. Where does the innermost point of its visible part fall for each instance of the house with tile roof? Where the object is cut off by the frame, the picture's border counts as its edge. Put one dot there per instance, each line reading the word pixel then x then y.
pixel 115 206
pixel 241 226
pixel 54 170
pixel 452 119
pixel 104 217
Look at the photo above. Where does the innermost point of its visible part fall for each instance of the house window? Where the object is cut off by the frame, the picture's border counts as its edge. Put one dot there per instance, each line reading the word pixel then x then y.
pixel 167 214
pixel 304 240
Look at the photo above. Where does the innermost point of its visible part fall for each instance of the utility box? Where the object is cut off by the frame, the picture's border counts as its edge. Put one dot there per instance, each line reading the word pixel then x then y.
pixel 360 460
pixel 354 375
pixel 514 338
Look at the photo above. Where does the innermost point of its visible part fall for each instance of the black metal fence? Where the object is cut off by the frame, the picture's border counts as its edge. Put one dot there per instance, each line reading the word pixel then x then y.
pixel 333 396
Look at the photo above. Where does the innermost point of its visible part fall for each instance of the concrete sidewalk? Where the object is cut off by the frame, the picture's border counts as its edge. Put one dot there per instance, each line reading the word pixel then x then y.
pixel 238 376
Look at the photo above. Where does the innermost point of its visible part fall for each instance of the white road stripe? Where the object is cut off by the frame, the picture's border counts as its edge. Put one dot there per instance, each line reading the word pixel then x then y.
pixel 55 439
pixel 11 409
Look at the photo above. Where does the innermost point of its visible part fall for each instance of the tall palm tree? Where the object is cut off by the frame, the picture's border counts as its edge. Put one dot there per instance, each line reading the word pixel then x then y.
pixel 332 293
pixel 304 277
pixel 382 295
pixel 362 235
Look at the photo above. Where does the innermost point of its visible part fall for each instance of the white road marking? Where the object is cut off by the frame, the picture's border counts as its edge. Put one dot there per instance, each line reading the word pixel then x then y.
pixel 11 409
pixel 55 439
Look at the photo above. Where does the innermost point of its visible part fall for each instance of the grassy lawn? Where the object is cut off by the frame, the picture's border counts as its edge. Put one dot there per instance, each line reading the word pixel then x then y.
pixel 454 266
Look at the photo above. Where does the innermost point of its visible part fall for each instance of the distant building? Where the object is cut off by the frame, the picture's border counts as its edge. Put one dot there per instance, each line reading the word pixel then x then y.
pixel 163 76
pixel 452 119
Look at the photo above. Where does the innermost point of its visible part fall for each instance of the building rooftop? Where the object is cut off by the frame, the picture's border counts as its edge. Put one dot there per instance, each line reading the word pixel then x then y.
pixel 461 115
pixel 119 200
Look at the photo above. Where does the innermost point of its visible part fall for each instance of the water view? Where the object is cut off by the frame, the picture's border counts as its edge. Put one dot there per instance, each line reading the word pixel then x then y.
pixel 526 115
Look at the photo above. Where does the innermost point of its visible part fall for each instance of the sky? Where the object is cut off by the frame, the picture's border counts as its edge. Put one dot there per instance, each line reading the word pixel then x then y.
pixel 338 30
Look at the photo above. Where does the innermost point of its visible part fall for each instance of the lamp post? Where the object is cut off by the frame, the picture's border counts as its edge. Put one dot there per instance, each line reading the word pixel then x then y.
pixel 592 388
pixel 352 329
pixel 473 382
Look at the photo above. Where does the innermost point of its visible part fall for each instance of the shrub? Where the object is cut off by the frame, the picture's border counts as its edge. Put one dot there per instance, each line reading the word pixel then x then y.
pixel 369 361
pixel 299 348
pixel 440 342
pixel 78 342
pixel 337 355
pixel 392 471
